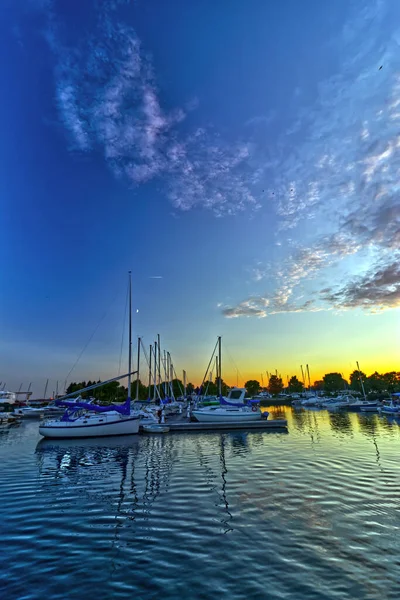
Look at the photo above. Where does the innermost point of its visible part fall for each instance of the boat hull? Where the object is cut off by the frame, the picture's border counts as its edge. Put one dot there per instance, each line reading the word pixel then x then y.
pixel 232 417
pixel 60 429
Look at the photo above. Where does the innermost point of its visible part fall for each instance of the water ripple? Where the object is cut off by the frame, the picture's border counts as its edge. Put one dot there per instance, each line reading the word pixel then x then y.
pixel 309 515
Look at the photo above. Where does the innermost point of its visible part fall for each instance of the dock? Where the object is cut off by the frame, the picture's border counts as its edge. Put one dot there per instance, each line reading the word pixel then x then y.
pixel 186 426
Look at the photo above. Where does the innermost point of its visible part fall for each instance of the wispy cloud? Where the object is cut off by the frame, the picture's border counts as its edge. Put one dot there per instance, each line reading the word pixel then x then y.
pixel 375 290
pixel 155 277
pixel 338 191
pixel 109 102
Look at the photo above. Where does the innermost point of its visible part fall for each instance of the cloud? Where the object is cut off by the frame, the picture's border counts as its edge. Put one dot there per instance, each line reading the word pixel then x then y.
pixel 109 102
pixel 375 290
pixel 260 306
pixel 337 186
pixel 155 277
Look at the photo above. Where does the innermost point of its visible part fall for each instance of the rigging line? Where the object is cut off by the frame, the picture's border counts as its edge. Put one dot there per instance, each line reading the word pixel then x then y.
pixel 89 340
pixel 123 329
pixel 232 361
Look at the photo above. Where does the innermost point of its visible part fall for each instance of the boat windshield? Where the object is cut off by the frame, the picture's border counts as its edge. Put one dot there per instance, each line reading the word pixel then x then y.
pixel 235 394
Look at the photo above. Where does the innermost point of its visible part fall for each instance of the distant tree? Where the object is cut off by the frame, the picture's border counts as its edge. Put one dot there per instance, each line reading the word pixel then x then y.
pixel 252 387
pixel 224 386
pixel 189 388
pixel 392 381
pixel 333 382
pixel 376 382
pixel 295 386
pixel 355 382
pixel 275 385
pixel 318 385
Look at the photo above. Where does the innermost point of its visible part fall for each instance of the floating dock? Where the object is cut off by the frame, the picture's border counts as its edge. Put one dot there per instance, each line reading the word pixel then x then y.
pixel 250 425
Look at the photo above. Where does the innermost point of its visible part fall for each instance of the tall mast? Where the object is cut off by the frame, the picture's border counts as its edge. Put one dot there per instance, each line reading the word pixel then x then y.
pixel 57 389
pixel 151 352
pixel 309 380
pixel 165 373
pixel 171 369
pixel 159 359
pixel 155 371
pixel 184 383
pixel 219 366
pixel 361 380
pixel 130 336
pixel 45 388
pixel 302 374
pixel 138 367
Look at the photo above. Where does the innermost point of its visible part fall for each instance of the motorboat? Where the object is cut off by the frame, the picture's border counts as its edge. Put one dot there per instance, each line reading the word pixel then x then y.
pixel 390 407
pixel 7 419
pixel 359 405
pixel 262 396
pixel 29 412
pixel 155 428
pixel 7 397
pixel 311 401
pixel 231 409
pixel 342 401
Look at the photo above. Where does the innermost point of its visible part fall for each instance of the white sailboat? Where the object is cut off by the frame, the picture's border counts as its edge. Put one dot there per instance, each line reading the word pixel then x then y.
pixel 232 409
pixel 85 419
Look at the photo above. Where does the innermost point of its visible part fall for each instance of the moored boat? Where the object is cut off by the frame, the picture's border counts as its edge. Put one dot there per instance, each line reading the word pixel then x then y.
pixel 86 419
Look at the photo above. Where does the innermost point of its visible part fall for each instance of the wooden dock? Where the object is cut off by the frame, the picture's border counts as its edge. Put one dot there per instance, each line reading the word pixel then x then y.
pixel 250 425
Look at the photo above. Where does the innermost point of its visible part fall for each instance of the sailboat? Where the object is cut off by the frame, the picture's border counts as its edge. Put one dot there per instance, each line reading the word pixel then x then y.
pixel 231 409
pixel 86 419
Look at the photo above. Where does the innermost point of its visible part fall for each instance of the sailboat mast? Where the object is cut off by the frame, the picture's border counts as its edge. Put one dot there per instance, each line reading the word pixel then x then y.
pixel 130 337
pixel 219 367
pixel 151 351
pixel 155 371
pixel 57 389
pixel 361 380
pixel 139 340
pixel 302 375
pixel 45 388
pixel 184 383
pixel 309 380
pixel 165 373
pixel 159 359
pixel 171 367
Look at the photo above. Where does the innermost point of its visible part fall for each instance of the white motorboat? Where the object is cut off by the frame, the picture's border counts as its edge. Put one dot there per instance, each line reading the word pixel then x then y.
pixel 342 401
pixel 29 412
pixel 311 401
pixel 7 397
pixel 155 428
pixel 263 396
pixel 86 419
pixel 231 409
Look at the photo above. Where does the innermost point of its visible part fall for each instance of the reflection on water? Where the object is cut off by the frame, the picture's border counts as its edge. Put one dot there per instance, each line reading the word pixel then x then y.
pixel 190 516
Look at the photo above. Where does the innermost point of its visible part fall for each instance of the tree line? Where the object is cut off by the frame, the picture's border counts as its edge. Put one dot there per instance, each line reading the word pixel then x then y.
pixel 332 382
pixel 116 392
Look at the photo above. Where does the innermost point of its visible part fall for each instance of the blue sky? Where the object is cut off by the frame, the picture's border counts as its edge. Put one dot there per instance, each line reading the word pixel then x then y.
pixel 241 159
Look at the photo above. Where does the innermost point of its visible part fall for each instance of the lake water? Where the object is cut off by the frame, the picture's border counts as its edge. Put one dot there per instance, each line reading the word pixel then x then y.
pixel 308 514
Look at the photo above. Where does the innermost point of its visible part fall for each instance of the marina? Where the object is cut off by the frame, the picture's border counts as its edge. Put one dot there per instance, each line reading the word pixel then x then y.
pixel 152 516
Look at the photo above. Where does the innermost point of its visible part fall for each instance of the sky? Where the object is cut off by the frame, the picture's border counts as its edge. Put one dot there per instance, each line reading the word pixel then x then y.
pixel 242 159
